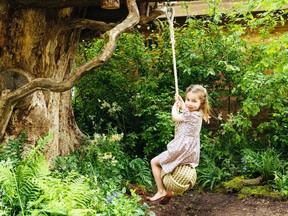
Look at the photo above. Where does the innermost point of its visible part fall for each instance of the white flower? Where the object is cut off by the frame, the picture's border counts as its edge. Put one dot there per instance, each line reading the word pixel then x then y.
pixel 116 137
pixel 107 155
pixel 104 105
pixel 96 137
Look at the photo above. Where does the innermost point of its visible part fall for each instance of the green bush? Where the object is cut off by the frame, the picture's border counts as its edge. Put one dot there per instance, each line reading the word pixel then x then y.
pixel 209 175
pixel 280 182
pixel 264 163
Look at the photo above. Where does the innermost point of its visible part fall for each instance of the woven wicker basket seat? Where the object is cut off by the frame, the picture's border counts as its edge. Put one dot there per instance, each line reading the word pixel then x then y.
pixel 181 179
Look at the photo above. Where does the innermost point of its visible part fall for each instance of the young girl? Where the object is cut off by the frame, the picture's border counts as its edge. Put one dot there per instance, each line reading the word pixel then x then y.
pixel 185 147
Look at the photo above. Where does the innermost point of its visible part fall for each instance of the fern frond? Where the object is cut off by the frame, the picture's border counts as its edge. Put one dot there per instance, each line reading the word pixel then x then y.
pixel 38 149
pixel 7 180
pixel 49 187
pixel 40 167
pixel 26 174
pixel 56 209
pixel 82 212
pixel 79 193
pixel 29 190
pixel 63 197
pixel 53 188
pixel 13 149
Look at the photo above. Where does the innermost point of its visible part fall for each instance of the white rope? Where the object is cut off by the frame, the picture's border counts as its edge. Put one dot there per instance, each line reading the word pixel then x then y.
pixel 170 18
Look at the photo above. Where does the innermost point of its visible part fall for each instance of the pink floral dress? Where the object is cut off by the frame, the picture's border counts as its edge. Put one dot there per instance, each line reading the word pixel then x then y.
pixel 185 147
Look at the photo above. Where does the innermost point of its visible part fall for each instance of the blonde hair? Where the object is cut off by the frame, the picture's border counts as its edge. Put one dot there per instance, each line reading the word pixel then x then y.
pixel 201 92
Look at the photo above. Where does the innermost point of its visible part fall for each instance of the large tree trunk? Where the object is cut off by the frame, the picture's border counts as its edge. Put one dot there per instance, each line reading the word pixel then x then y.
pixel 34 40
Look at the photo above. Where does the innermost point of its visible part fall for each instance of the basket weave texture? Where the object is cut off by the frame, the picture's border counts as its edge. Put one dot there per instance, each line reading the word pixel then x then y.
pixel 181 179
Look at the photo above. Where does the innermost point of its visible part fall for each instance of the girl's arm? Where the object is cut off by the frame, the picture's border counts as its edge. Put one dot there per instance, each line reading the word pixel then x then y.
pixel 180 102
pixel 176 116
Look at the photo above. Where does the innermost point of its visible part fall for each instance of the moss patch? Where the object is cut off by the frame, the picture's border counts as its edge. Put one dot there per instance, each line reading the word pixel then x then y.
pixel 264 191
pixel 234 185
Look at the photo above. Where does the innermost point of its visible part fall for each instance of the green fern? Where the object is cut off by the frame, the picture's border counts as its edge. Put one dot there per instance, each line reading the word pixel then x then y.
pixel 40 167
pixel 33 167
pixel 7 180
pixel 80 193
pixel 139 172
pixel 9 187
pixel 60 197
pixel 28 188
pixel 17 175
pixel 13 149
pixel 37 151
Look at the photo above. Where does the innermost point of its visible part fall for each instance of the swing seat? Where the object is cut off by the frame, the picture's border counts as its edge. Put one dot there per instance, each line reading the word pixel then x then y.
pixel 180 180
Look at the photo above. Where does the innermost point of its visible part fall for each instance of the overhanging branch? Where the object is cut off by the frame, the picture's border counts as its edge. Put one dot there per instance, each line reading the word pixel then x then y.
pixel 91 24
pixel 104 27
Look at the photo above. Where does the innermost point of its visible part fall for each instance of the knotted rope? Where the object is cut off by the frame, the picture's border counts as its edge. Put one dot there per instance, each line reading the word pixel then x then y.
pixel 170 18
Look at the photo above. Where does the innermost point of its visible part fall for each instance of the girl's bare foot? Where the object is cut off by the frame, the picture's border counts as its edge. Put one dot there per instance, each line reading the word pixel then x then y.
pixel 158 196
pixel 167 198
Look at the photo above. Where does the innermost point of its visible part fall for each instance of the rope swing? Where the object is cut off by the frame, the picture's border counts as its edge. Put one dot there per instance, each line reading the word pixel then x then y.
pixel 170 18
pixel 183 176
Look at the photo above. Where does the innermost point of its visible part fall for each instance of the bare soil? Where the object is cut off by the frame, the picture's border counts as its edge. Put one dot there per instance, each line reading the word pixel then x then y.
pixel 215 204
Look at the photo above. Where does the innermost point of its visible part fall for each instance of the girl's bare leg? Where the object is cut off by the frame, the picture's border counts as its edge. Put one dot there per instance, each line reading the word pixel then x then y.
pixel 156 170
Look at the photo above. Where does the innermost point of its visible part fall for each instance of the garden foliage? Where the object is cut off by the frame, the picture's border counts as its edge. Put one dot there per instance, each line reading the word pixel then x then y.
pixel 239 61
pixel 28 186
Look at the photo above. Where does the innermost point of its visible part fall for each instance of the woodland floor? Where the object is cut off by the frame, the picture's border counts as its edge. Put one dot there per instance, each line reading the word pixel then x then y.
pixel 215 204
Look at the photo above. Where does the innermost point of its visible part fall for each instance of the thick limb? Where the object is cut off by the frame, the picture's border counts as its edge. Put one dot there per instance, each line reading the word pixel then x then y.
pixel 156 170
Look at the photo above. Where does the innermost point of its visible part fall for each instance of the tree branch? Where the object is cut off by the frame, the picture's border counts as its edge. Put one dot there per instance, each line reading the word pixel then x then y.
pixel 157 12
pixel 91 24
pixel 104 27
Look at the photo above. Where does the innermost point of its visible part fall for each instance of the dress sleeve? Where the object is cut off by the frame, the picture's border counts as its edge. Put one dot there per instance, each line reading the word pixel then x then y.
pixel 193 121
pixel 190 116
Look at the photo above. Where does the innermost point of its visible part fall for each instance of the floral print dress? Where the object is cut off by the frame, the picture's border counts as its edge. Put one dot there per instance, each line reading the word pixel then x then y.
pixel 185 147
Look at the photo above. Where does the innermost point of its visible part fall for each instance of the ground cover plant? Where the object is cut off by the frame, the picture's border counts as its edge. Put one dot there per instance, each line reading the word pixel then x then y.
pixel 30 187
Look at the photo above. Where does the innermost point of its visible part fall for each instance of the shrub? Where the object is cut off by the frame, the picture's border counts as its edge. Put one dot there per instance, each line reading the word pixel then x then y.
pixel 280 182
pixel 263 163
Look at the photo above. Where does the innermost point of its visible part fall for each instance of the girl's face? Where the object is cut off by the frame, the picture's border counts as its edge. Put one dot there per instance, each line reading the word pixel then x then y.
pixel 192 101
